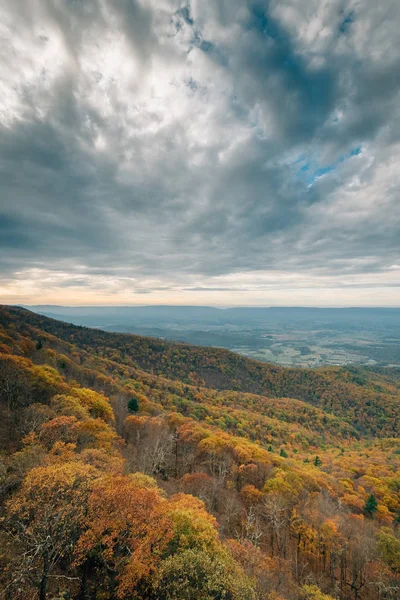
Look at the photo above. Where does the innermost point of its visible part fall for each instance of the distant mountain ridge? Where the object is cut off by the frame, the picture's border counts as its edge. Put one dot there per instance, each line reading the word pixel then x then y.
pixel 211 310
pixel 124 316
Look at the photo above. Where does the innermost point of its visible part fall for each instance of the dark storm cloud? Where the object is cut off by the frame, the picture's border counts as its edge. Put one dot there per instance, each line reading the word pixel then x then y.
pixel 165 139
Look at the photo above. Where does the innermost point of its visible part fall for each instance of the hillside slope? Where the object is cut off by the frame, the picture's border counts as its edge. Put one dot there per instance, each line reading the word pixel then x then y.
pixel 113 475
pixel 366 400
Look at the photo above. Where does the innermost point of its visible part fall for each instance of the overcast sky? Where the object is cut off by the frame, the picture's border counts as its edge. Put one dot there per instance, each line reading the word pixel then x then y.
pixel 213 152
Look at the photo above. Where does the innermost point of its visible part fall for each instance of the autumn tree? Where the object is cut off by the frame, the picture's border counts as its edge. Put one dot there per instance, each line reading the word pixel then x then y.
pixel 389 548
pixel 312 592
pixel 201 575
pixel 45 518
pixel 126 531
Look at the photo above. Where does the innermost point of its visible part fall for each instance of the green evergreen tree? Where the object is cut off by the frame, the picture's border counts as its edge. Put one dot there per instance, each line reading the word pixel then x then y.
pixel 133 405
pixel 283 453
pixel 371 505
pixel 317 461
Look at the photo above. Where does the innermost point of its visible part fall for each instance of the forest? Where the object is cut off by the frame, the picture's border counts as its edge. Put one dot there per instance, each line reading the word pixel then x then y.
pixel 132 467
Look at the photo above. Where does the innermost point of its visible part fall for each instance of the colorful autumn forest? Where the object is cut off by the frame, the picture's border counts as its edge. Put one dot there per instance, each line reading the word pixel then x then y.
pixel 135 468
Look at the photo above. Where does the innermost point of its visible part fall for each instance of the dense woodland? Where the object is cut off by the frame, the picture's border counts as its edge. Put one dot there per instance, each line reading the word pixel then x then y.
pixel 135 468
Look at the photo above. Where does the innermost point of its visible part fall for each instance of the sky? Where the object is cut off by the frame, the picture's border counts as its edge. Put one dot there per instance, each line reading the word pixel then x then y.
pixel 216 152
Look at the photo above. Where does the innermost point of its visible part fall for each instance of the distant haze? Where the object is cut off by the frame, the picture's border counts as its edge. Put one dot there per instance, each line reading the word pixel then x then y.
pixel 183 311
pixel 290 336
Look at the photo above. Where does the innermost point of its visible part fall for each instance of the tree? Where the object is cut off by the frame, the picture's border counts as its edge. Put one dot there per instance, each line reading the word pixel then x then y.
pixel 371 505
pixel 133 405
pixel 98 405
pixel 389 548
pixel 127 530
pixel 312 592
pixel 45 518
pixel 153 445
pixel 200 485
pixel 59 429
pixel 15 383
pixel 317 461
pixel 283 453
pixel 200 575
pixel 193 527
pixel 276 514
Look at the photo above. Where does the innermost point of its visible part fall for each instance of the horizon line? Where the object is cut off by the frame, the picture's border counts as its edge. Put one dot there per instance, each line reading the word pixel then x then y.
pixel 217 307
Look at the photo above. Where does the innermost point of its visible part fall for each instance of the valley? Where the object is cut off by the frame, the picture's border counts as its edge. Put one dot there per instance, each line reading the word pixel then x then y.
pixel 303 337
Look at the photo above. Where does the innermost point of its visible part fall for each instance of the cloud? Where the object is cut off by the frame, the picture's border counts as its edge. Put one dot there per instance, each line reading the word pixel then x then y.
pixel 157 147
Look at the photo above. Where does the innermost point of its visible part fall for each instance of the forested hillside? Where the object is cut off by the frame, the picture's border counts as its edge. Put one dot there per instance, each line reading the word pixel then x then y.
pixel 367 400
pixel 136 468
